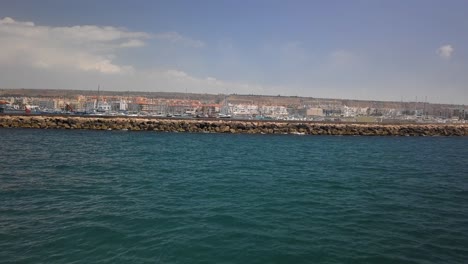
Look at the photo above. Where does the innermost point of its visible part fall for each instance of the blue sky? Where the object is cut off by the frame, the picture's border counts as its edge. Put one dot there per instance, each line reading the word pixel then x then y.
pixel 381 50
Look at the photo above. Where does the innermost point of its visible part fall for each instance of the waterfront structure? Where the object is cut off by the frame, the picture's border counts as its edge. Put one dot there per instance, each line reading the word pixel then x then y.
pixel 103 107
pixel 314 111
pixel 241 110
pixel 238 106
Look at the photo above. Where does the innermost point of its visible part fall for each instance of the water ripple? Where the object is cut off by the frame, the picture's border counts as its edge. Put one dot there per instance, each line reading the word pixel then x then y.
pixel 111 197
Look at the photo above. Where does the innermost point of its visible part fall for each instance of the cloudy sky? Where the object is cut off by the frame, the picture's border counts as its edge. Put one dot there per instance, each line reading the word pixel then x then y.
pixel 359 49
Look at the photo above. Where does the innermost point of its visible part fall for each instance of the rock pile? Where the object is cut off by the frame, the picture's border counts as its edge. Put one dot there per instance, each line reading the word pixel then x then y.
pixel 231 126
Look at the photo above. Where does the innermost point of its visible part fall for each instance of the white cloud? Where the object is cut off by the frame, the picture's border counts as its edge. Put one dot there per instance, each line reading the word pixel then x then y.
pixel 84 48
pixel 9 20
pixel 177 38
pixel 177 80
pixel 176 74
pixel 79 57
pixel 445 51
pixel 133 43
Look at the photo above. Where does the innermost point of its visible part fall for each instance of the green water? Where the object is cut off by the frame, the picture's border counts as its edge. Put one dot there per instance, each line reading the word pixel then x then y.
pixel 144 197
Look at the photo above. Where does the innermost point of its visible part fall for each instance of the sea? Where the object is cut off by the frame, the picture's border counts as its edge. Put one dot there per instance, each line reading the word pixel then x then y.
pixel 74 196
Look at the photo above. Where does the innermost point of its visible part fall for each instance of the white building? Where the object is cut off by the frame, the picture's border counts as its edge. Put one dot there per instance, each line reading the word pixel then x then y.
pixel 103 107
pixel 273 110
pixel 123 105
pixel 244 110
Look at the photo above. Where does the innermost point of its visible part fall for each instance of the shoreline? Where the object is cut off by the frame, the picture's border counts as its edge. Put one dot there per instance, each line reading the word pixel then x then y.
pixel 231 126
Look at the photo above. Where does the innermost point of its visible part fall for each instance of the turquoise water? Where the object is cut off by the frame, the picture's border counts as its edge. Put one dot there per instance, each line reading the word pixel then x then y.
pixel 144 197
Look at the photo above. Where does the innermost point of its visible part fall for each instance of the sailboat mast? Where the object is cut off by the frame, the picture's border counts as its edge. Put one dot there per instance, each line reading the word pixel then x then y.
pixel 98 94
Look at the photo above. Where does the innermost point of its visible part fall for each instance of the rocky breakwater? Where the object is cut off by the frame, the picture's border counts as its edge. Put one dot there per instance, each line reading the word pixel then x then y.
pixel 231 126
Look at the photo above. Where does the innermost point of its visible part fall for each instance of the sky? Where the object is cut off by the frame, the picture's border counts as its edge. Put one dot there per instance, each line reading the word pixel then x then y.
pixel 394 50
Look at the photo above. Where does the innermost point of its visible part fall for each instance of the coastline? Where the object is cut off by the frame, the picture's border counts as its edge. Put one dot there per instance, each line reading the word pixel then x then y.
pixel 230 126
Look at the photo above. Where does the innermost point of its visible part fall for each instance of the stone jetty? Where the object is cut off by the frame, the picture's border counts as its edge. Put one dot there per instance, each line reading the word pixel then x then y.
pixel 230 126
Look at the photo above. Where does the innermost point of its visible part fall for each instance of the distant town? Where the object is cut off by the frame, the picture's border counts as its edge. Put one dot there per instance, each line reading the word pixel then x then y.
pixel 249 107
